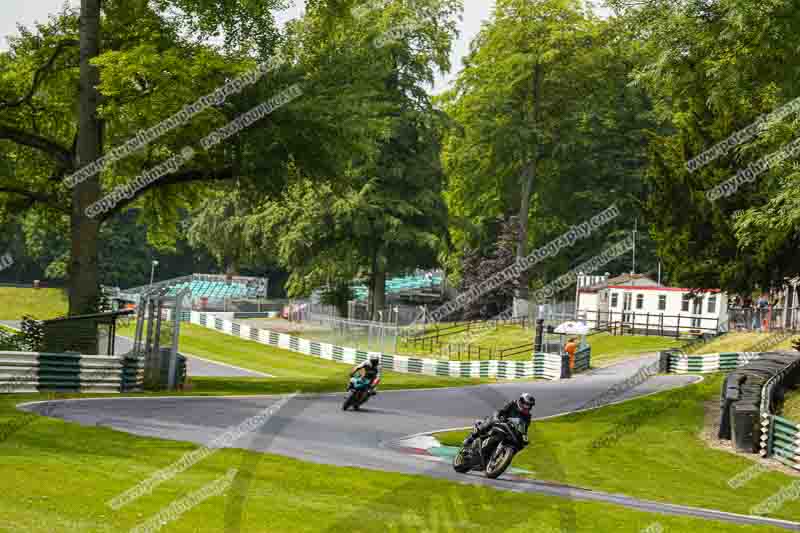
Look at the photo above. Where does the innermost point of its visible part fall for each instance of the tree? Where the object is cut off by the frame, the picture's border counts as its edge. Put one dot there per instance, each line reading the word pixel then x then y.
pixel 149 65
pixel 712 68
pixel 549 130
pixel 45 148
pixel 478 267
pixel 339 296
pixel 380 209
pixel 218 224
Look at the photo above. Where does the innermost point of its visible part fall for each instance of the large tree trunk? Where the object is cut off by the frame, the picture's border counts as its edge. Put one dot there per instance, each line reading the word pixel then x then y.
pixel 378 293
pixel 377 286
pixel 83 272
pixel 528 177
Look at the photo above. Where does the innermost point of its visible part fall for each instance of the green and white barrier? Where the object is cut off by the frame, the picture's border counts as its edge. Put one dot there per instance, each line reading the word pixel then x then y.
pixel 22 372
pixel 708 363
pixel 583 359
pixel 541 365
pixel 780 438
pixel 185 315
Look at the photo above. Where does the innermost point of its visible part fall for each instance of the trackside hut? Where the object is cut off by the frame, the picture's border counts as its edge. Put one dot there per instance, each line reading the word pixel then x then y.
pixel 652 308
pixel 592 295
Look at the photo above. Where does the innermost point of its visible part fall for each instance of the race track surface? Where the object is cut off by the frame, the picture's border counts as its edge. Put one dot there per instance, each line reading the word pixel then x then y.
pixel 314 428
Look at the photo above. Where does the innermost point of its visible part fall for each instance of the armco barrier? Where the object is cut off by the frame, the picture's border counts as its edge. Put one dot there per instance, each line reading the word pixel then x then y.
pixel 583 359
pixel 680 363
pixel 780 438
pixel 541 365
pixel 22 372
pixel 749 392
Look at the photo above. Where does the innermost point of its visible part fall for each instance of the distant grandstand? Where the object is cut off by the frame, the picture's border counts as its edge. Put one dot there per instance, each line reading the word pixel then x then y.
pixel 218 292
pixel 413 287
pixel 211 289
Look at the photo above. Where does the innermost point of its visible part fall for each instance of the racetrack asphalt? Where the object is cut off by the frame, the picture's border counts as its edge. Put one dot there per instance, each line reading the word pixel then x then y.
pixel 314 428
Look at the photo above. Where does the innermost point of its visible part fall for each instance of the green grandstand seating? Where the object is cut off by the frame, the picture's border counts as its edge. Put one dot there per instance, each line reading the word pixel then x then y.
pixel 399 284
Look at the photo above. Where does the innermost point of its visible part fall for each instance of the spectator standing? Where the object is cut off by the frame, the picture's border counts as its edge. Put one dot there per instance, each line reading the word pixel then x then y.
pixel 763 308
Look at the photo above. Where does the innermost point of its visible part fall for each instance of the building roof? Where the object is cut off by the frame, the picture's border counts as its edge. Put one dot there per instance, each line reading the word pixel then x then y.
pixel 661 288
pixel 633 279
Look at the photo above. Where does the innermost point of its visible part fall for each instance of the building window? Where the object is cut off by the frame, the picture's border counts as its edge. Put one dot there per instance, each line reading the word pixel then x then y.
pixel 662 302
pixel 712 304
pixel 614 299
pixel 685 303
pixel 639 301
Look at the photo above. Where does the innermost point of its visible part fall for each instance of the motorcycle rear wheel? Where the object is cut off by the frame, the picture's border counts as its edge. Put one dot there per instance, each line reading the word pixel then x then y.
pixel 499 462
pixel 460 464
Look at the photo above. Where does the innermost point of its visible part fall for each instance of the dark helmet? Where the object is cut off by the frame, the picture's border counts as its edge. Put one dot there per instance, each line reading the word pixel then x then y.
pixel 374 359
pixel 526 402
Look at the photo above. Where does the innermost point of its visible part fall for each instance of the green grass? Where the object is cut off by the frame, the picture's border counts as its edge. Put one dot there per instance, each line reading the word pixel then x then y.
pixel 38 303
pixel 292 371
pixel 648 448
pixel 607 348
pixel 58 476
pixel 739 341
pixel 791 406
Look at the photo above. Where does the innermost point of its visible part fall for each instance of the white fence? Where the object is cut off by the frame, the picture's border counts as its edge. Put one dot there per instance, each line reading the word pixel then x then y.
pixel 548 366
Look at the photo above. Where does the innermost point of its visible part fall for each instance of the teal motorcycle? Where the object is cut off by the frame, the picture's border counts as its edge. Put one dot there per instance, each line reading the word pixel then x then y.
pixel 359 390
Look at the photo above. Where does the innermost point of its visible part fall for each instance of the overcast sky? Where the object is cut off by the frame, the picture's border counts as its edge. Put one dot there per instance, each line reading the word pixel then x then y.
pixel 26 12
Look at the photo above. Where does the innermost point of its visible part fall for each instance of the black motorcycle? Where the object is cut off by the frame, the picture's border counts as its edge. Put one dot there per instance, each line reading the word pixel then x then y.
pixel 493 453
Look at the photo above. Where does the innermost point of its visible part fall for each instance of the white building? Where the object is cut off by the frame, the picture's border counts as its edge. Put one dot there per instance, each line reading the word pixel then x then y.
pixel 639 303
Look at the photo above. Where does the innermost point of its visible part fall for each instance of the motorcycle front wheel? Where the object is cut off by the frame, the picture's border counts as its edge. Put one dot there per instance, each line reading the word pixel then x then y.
pixel 348 401
pixel 362 399
pixel 500 460
pixel 460 463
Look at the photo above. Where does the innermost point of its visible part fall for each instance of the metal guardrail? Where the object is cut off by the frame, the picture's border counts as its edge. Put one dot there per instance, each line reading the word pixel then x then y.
pixel 37 371
pixel 784 441
pixel 781 440
pixel 749 395
pixel 780 437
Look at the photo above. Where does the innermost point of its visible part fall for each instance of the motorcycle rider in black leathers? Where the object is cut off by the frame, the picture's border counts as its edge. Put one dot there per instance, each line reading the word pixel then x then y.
pixel 372 371
pixel 519 408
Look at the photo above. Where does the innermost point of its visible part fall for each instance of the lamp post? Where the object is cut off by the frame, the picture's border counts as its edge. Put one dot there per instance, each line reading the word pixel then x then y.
pixel 152 272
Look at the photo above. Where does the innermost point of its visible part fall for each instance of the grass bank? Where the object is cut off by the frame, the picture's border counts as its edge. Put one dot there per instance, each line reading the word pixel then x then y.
pixel 741 341
pixel 58 476
pixel 292 371
pixel 648 448
pixel 39 303
pixel 791 406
